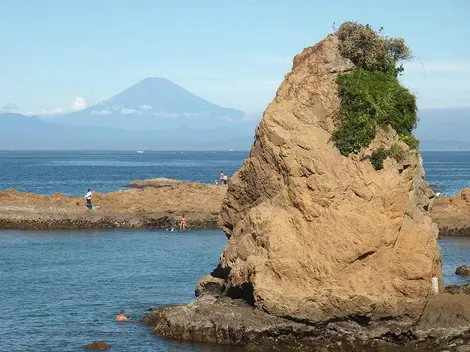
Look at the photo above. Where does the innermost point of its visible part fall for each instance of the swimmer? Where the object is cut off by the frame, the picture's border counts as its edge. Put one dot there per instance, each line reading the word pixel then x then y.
pixel 122 316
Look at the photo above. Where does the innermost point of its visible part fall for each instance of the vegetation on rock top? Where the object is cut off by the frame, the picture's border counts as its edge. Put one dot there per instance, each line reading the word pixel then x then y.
pixel 371 95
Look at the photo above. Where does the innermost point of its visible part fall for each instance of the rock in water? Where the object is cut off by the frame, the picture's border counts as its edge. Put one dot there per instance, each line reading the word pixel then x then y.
pixel 463 270
pixel 97 345
pixel 316 236
pixel 330 250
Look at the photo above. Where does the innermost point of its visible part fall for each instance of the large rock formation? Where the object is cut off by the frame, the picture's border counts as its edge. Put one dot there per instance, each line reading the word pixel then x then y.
pixel 316 236
pixel 323 249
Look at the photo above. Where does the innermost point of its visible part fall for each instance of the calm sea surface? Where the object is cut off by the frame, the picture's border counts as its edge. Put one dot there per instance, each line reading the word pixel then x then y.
pixel 72 173
pixel 61 289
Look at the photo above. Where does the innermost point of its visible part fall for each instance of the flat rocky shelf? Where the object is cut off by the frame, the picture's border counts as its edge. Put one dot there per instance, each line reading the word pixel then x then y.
pixel 149 207
pixel 159 203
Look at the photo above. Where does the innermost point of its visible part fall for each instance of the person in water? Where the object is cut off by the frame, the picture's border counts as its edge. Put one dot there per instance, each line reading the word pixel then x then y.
pixel 183 223
pixel 122 316
pixel 88 199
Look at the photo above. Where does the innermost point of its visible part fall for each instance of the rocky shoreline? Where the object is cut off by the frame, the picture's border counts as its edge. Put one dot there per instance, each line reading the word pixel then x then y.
pixel 222 320
pixel 452 214
pixel 147 207
pixel 159 203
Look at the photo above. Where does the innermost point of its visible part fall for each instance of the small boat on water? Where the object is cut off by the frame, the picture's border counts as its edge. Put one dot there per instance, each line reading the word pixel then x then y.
pixel 140 152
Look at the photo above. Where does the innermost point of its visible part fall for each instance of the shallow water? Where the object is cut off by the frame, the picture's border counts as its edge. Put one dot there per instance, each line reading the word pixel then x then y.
pixel 61 289
pixel 455 251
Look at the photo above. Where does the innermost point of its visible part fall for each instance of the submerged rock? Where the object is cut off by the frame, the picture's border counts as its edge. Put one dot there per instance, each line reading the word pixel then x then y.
pixel 97 345
pixel 463 270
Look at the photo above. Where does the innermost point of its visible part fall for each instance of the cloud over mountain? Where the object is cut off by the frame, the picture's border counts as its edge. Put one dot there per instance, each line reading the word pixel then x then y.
pixel 77 104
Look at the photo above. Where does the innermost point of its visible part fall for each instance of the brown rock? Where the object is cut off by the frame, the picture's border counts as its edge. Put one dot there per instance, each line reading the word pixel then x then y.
pixel 452 214
pixel 97 345
pixel 154 182
pixel 446 311
pixel 210 285
pixel 314 235
pixel 137 208
pixel 463 270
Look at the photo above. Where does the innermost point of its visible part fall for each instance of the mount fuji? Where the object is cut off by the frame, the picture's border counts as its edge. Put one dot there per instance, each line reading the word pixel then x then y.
pixel 156 104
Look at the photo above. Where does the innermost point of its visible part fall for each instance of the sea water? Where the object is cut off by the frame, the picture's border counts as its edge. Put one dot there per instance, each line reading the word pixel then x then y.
pixel 60 290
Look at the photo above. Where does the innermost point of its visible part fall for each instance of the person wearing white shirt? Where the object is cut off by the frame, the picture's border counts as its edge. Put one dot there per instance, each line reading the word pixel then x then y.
pixel 88 199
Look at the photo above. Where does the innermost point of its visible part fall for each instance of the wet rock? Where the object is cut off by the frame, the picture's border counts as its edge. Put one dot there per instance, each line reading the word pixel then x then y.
pixel 456 289
pixel 463 270
pixel 97 345
pixel 228 321
pixel 445 311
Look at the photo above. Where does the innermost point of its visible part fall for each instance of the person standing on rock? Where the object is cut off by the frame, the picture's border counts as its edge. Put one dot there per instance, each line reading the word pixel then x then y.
pixel 183 223
pixel 88 199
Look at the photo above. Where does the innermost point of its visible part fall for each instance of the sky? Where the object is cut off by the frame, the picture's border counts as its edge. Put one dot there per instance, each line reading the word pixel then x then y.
pixel 61 56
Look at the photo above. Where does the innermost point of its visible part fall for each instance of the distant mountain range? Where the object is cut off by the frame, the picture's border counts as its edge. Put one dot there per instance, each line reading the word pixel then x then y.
pixel 22 132
pixel 160 115
pixel 155 103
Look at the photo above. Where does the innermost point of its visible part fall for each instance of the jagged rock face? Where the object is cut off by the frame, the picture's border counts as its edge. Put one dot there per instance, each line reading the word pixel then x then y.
pixel 314 235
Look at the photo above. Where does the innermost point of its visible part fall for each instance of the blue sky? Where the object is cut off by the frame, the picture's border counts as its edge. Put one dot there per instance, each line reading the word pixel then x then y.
pixel 63 55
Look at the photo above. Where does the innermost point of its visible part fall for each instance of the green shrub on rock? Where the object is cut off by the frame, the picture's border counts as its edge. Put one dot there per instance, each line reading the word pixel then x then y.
pixel 411 140
pixel 371 95
pixel 377 158
pixel 397 151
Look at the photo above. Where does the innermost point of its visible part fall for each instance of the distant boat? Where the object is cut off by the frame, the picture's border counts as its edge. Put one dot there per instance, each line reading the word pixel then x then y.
pixel 231 150
pixel 140 152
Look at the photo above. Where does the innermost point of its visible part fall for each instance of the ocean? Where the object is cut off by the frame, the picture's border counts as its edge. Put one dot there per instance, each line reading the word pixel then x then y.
pixel 61 289
pixel 73 172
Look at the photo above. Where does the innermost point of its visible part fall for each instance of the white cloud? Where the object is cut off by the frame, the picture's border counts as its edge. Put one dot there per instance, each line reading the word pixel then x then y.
pixel 146 107
pixel 101 112
pixel 78 104
pixel 126 111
